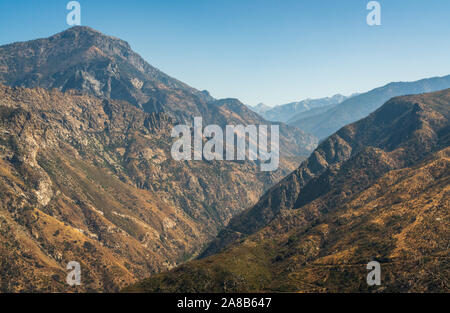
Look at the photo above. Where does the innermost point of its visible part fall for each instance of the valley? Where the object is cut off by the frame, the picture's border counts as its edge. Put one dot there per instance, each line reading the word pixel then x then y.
pixel 87 173
pixel 88 131
pixel 377 190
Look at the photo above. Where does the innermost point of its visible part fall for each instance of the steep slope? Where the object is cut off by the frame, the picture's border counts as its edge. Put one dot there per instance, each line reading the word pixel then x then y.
pixel 401 125
pixel 285 112
pixel 401 221
pixel 312 114
pixel 324 124
pixel 91 180
pixel 86 155
pixel 376 190
pixel 84 59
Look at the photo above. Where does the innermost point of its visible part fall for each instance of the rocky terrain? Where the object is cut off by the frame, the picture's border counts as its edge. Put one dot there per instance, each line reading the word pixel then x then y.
pixel 87 174
pixel 260 108
pixel 377 189
pixel 84 59
pixel 92 180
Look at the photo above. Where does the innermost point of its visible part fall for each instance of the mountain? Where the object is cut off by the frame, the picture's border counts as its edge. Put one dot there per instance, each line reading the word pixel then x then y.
pixel 92 180
pixel 260 108
pixel 302 116
pixel 84 59
pixel 285 112
pixel 326 123
pixel 376 190
pixel 86 168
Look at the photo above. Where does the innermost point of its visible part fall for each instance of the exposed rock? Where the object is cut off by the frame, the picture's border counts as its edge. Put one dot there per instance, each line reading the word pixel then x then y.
pixel 376 190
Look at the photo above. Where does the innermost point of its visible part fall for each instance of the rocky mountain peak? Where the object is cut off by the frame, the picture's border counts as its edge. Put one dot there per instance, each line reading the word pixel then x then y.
pixel 88 61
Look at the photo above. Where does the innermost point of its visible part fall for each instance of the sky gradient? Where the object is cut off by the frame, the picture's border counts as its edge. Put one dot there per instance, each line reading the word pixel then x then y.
pixel 259 50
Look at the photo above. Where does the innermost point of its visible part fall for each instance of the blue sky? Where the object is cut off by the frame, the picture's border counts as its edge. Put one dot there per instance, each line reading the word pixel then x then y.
pixel 271 51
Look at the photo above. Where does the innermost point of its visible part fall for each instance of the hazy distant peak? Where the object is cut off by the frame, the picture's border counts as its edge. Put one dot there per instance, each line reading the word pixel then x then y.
pixel 285 112
pixel 260 108
pixel 81 58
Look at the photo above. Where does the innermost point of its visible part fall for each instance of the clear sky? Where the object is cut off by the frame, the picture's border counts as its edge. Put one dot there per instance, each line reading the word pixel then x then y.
pixel 271 51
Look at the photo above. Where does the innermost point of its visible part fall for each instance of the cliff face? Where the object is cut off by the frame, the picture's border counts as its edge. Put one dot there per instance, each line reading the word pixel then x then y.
pixel 92 180
pixel 375 190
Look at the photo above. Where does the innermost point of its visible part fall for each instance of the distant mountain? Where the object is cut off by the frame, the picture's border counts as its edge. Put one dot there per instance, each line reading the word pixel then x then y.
pixel 377 190
pixel 92 180
pixel 285 112
pixel 326 123
pixel 260 108
pixel 84 59
pixel 312 112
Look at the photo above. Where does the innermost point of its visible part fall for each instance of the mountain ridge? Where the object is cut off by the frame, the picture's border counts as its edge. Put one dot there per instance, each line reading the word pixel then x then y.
pixel 84 59
pixel 350 203
pixel 326 123
pixel 333 151
pixel 285 112
pixel 92 180
pixel 85 154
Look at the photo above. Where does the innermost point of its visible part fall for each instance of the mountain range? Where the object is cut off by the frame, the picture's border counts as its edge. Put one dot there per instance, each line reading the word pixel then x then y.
pixel 87 173
pixel 324 123
pixel 84 59
pixel 376 190
pixel 286 112
pixel 260 108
